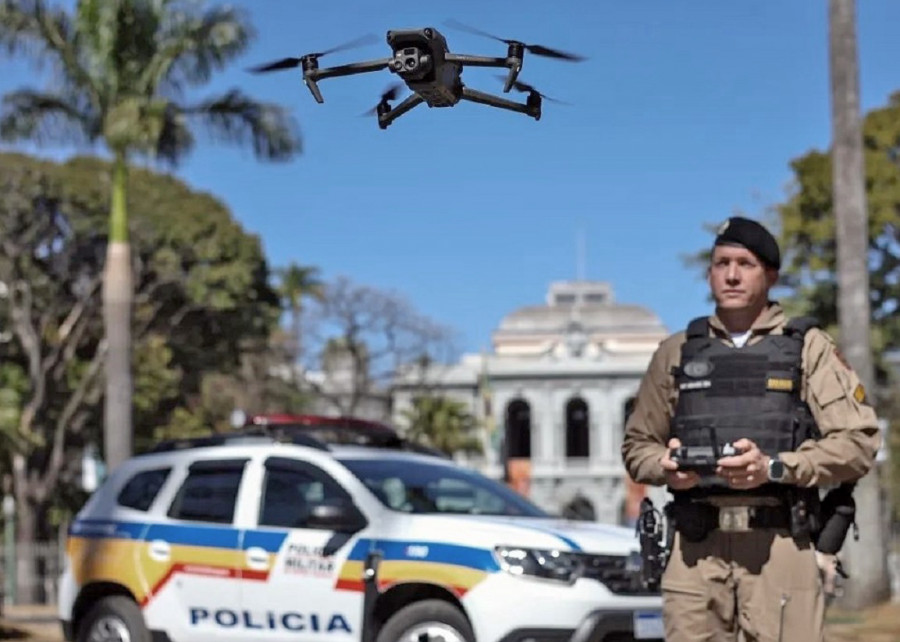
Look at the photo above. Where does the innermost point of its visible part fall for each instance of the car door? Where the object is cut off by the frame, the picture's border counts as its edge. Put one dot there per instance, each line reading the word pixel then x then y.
pixel 194 556
pixel 292 586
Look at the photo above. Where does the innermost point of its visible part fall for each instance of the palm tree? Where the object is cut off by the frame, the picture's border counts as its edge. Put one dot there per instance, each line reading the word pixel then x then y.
pixel 297 283
pixel 122 68
pixel 869 583
pixel 443 423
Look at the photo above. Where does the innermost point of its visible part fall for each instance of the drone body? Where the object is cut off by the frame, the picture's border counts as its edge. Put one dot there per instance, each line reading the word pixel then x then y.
pixel 420 59
pixel 423 61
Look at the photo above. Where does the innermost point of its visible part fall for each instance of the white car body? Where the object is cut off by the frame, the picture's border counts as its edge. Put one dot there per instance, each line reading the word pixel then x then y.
pixel 245 581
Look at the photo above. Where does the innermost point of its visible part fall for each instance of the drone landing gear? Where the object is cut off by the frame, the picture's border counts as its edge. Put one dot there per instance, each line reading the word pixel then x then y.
pixel 532 106
pixel 387 115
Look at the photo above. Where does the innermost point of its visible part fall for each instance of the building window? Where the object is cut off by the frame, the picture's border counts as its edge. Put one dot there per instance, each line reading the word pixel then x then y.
pixel 577 428
pixel 518 429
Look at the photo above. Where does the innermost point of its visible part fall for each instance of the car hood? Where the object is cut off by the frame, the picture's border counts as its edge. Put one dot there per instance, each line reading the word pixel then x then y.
pixel 551 533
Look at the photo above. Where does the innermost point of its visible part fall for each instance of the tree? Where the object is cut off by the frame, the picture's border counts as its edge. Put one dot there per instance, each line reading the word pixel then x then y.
pixel 123 68
pixel 867 558
pixel 296 284
pixel 358 339
pixel 444 423
pixel 203 300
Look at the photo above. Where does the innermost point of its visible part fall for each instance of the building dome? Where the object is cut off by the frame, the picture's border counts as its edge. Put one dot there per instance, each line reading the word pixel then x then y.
pixel 599 318
pixel 579 318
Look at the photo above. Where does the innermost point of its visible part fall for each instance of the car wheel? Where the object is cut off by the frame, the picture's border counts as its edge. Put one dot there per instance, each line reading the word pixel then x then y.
pixel 113 619
pixel 427 621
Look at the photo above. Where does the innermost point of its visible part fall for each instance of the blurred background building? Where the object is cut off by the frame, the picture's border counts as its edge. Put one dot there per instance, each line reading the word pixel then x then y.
pixel 552 396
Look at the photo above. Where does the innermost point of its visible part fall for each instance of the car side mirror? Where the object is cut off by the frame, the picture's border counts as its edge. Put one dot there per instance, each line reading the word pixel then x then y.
pixel 338 515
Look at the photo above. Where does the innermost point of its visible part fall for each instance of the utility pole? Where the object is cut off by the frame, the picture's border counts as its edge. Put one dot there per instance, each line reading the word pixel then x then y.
pixel 866 559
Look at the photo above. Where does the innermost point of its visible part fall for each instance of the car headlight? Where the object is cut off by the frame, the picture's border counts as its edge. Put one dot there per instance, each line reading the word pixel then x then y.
pixel 560 566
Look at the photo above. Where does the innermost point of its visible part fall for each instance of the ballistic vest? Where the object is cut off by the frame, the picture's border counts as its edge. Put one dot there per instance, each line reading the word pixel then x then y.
pixel 726 393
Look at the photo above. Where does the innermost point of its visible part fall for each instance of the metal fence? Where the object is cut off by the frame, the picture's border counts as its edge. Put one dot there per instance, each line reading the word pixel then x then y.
pixel 22 585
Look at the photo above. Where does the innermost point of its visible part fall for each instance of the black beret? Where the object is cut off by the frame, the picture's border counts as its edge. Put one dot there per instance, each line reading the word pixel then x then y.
pixel 749 234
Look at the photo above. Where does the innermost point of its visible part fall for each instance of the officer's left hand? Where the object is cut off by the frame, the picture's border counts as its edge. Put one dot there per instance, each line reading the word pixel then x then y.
pixel 747 470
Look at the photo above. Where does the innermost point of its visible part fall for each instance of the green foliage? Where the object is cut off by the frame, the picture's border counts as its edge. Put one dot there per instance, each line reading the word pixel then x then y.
pixel 443 423
pixel 203 308
pixel 156 380
pixel 298 282
pixel 13 389
pixel 126 66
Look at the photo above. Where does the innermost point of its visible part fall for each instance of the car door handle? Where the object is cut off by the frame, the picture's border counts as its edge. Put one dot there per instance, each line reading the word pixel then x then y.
pixel 160 550
pixel 257 558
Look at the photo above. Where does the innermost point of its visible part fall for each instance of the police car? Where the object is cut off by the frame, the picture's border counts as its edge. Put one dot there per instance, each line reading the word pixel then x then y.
pixel 257 537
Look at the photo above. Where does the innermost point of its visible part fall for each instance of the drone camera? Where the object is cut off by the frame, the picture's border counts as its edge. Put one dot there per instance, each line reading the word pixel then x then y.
pixel 410 62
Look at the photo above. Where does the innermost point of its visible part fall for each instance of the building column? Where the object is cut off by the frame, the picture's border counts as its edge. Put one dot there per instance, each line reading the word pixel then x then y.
pixel 551 440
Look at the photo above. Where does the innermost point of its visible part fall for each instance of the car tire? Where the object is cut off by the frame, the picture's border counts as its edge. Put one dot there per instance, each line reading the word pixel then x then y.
pixel 431 620
pixel 113 619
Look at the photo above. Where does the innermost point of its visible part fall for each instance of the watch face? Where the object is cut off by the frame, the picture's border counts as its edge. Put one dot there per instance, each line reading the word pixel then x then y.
pixel 776 470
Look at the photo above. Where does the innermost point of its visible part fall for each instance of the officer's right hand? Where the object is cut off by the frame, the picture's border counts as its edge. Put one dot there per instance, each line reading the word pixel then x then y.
pixel 677 480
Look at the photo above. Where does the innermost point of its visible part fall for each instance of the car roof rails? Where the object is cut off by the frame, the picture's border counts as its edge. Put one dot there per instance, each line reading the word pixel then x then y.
pixel 261 435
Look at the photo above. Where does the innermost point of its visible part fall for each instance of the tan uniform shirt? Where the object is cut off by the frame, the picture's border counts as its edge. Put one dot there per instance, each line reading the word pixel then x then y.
pixel 850 435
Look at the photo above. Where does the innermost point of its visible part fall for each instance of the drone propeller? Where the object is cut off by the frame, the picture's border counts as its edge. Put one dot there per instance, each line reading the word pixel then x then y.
pixel 391 93
pixel 538 50
pixel 290 63
pixel 526 88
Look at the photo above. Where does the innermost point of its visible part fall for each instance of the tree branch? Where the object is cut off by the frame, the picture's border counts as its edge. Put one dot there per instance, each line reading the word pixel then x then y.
pixel 71 330
pixel 23 325
pixel 73 404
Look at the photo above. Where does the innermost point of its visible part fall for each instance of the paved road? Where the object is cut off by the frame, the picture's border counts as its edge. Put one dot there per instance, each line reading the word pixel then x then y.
pixel 40 622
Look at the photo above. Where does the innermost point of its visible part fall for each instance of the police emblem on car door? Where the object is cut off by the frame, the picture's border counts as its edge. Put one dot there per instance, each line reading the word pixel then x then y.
pixel 295 555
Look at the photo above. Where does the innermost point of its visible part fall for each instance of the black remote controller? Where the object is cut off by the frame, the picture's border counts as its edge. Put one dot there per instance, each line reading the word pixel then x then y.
pixel 701 459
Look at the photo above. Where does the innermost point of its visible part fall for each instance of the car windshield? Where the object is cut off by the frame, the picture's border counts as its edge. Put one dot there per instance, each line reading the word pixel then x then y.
pixel 423 487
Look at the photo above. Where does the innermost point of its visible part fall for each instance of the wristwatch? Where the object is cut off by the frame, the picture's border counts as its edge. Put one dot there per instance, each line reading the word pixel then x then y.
pixel 776 469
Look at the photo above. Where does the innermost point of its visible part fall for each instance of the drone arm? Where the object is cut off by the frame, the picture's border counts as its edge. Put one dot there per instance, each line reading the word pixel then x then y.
pixel 408 103
pixel 475 96
pixel 482 61
pixel 514 64
pixel 350 69
pixel 312 76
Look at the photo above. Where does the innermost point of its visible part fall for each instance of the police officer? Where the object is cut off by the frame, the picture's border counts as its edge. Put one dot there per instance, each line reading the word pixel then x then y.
pixel 743 557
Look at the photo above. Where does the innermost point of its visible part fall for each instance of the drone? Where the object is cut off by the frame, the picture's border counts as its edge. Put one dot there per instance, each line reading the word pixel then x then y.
pixel 425 64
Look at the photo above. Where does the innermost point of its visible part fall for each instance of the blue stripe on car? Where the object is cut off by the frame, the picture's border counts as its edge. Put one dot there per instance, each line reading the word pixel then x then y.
pixel 419 551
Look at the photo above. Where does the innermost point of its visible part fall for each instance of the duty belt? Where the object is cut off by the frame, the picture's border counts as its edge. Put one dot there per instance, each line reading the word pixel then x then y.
pixel 696 519
pixel 735 519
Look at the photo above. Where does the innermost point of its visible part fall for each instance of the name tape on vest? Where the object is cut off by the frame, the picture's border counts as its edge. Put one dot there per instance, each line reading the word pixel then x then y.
pixel 774 383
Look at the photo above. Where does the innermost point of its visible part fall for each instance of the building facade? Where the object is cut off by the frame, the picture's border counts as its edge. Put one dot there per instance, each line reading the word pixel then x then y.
pixel 553 394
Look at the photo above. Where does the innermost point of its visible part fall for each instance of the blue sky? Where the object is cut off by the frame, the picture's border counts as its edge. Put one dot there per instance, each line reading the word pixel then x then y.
pixel 684 113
